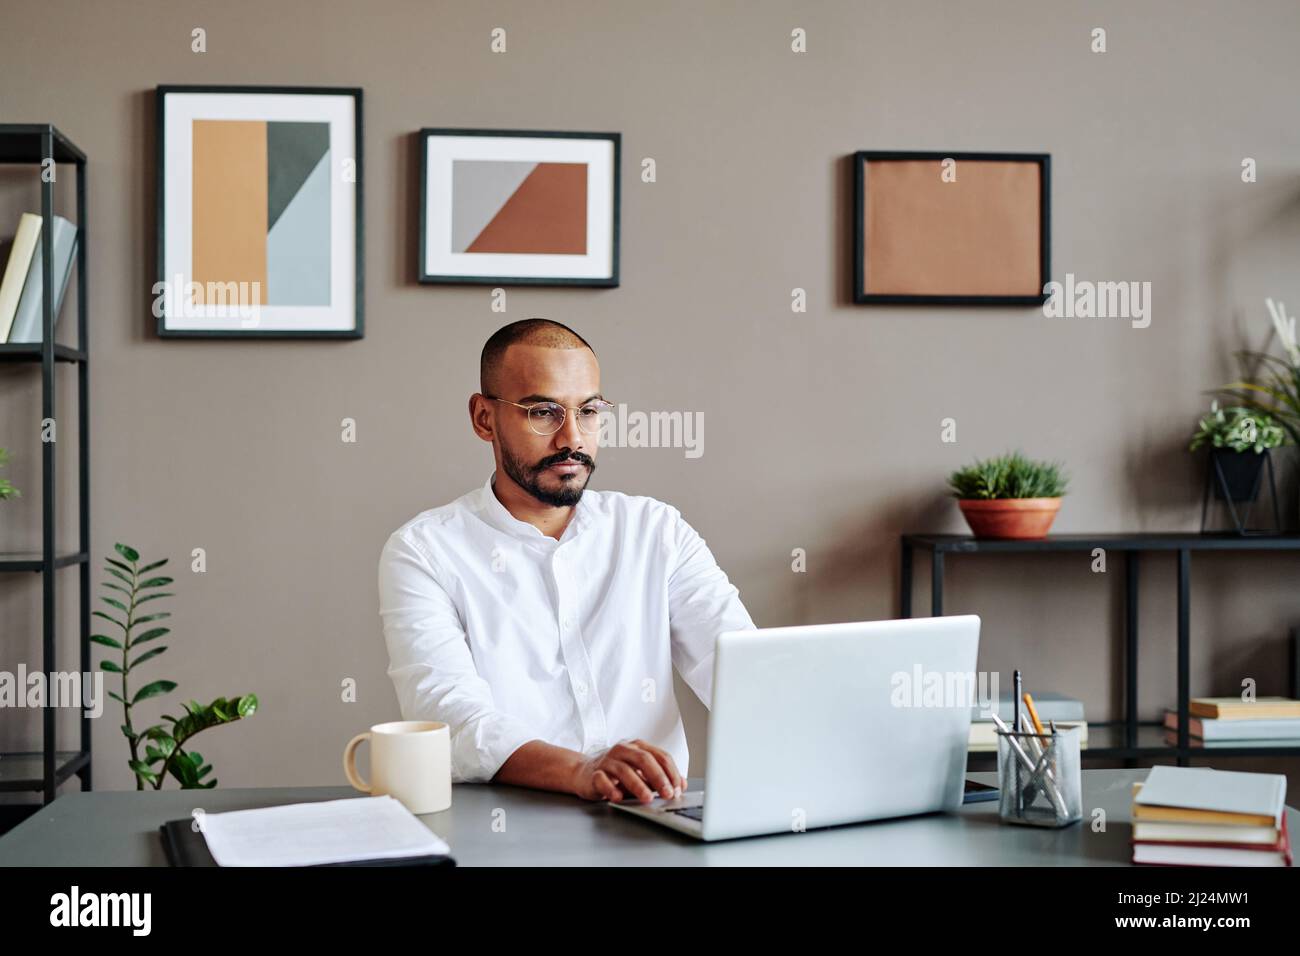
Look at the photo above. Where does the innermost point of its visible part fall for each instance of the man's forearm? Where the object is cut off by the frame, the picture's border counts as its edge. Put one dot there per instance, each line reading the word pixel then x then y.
pixel 541 765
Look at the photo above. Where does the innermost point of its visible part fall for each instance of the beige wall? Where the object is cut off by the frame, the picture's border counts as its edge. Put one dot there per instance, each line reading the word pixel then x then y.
pixel 234 446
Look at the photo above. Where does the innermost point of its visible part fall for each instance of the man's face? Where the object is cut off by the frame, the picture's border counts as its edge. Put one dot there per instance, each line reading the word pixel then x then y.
pixel 554 468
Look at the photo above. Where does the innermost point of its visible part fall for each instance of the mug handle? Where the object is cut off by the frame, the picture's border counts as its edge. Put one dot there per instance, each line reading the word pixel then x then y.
pixel 350 762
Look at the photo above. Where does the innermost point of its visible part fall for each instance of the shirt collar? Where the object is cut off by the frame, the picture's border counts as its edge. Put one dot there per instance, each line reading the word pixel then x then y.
pixel 498 516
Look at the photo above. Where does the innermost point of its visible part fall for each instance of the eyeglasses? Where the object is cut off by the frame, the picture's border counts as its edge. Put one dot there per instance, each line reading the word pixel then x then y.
pixel 547 418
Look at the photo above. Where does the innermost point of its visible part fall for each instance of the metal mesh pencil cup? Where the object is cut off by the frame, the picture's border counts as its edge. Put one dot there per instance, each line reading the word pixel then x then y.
pixel 1039 778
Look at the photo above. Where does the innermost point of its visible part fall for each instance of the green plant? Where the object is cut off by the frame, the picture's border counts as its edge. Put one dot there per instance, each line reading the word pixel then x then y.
pixel 1239 428
pixel 1271 383
pixel 6 489
pixel 1008 476
pixel 165 751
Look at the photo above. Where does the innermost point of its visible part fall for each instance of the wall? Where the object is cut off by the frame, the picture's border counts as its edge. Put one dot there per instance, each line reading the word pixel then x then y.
pixel 822 429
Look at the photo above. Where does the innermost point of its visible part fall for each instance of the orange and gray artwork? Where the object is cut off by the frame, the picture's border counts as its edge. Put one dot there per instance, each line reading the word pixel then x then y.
pixel 502 206
pixel 262 208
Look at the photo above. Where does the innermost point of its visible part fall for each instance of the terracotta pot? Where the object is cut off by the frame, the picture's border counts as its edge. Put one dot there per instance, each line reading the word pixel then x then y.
pixel 1009 517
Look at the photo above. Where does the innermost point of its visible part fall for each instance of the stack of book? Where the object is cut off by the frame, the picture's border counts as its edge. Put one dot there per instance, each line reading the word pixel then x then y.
pixel 1231 721
pixel 22 291
pixel 1195 816
pixel 1065 711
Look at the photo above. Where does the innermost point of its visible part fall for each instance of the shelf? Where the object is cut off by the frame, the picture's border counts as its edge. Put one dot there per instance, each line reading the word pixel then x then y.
pixel 1155 541
pixel 1106 742
pixel 21 143
pixel 35 560
pixel 32 352
pixel 24 771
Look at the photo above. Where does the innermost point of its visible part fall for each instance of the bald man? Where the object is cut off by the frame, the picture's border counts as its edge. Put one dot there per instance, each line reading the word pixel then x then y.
pixel 541 619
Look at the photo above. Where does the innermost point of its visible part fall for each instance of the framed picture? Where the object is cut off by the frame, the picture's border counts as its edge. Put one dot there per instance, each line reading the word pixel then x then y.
pixel 519 207
pixel 259 212
pixel 951 228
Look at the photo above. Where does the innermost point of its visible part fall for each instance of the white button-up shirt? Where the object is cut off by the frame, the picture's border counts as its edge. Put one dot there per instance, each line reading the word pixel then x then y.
pixel 508 635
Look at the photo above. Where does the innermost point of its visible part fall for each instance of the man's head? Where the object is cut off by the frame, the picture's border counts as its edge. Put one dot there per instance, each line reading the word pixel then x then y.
pixel 529 363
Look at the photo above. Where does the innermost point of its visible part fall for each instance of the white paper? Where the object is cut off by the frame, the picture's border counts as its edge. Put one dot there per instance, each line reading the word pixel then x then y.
pixel 307 834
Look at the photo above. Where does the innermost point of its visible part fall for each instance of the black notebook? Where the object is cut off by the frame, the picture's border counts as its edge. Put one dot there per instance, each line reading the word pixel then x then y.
pixel 185 846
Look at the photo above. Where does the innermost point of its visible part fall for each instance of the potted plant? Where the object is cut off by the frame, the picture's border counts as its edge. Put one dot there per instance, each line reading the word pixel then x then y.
pixel 7 490
pixel 1239 438
pixel 1009 496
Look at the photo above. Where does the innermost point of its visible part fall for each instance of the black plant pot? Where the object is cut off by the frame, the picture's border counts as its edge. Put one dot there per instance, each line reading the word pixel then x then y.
pixel 1242 472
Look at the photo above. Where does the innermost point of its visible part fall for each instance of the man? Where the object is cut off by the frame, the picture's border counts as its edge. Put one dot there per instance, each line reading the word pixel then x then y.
pixel 541 620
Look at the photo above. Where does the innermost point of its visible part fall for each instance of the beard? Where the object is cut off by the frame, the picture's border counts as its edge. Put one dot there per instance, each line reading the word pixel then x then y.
pixel 529 477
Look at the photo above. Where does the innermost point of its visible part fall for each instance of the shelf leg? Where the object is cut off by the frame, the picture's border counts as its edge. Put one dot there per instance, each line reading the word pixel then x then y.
pixel 1184 645
pixel 1131 648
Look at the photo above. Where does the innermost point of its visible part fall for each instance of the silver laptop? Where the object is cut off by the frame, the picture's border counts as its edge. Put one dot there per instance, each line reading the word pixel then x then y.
pixel 829 724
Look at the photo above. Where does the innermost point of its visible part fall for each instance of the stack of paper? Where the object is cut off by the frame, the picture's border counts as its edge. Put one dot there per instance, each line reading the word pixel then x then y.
pixel 311 834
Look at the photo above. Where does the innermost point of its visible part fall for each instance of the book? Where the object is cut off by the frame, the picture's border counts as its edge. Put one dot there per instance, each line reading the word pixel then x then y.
pixel 1209 728
pixel 983 734
pixel 1215 854
pixel 1057 707
pixel 28 319
pixel 1234 708
pixel 1203 833
pixel 1227 791
pixel 15 275
pixel 1154 814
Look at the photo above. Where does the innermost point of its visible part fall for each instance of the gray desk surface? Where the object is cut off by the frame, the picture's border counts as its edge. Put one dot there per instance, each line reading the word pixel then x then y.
pixel 120 828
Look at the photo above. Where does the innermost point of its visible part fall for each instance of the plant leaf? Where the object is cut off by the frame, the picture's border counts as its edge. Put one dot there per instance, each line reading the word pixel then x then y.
pixel 156 564
pixel 105 640
pixel 152 597
pixel 131 554
pixel 153 617
pixel 116 697
pixel 155 583
pixel 108 618
pixel 150 634
pixel 145 656
pixel 153 689
pixel 116 563
pixel 110 666
pixel 113 602
pixel 118 574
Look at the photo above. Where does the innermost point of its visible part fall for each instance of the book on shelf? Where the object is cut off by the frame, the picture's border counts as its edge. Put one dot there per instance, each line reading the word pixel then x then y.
pixel 15 275
pixel 1050 706
pixel 1234 708
pixel 28 319
pixel 984 734
pixel 1196 816
pixel 1212 729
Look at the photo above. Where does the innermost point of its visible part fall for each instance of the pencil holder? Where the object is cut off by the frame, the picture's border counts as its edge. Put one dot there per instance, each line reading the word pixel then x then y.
pixel 1039 778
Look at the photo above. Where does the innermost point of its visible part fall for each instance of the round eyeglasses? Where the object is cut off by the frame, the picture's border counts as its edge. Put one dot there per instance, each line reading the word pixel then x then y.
pixel 547 418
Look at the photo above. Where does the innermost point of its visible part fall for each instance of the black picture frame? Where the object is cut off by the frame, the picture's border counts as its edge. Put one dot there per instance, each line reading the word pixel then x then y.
pixel 160 94
pixel 860 160
pixel 425 278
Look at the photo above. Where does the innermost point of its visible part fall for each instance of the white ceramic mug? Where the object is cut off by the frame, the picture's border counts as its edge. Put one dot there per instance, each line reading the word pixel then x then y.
pixel 409 759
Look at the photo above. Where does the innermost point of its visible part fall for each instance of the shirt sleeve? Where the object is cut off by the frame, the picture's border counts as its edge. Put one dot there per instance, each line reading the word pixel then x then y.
pixel 432 667
pixel 702 604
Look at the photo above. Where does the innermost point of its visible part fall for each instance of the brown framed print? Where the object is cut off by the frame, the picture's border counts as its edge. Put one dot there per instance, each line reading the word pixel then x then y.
pixel 936 228
pixel 519 207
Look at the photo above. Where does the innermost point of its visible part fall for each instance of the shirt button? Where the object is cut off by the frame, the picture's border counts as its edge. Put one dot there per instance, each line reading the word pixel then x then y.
pixel 581 688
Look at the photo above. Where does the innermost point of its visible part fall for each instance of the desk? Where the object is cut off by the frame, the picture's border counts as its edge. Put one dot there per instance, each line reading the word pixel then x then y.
pixel 120 828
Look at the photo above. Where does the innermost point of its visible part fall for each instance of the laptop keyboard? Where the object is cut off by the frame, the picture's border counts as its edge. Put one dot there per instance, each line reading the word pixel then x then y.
pixel 691 813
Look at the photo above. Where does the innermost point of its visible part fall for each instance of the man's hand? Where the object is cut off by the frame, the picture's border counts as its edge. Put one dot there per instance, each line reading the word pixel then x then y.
pixel 629 767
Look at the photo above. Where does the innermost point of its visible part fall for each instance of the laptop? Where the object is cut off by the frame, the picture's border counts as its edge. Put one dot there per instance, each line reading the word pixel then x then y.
pixel 830 724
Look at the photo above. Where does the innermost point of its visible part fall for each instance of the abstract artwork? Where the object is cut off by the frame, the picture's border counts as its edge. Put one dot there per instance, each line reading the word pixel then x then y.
pixel 951 228
pixel 259 212
pixel 519 207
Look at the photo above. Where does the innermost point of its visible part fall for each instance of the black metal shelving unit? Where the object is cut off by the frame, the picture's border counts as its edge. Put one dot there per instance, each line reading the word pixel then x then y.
pixel 1129 739
pixel 43 146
